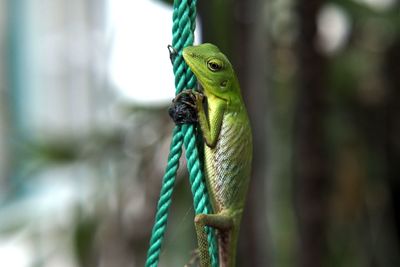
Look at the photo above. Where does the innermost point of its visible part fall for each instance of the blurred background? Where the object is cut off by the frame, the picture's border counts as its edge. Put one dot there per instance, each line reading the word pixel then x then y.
pixel 84 130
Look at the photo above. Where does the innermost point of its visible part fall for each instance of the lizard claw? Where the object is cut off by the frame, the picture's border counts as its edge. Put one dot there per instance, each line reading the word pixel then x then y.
pixel 172 53
pixel 199 97
pixel 188 97
pixel 195 96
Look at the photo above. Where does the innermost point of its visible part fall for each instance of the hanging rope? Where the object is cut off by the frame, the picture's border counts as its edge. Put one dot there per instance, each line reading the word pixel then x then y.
pixel 184 24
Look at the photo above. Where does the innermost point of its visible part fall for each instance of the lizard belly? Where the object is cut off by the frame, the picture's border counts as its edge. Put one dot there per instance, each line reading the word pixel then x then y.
pixel 227 165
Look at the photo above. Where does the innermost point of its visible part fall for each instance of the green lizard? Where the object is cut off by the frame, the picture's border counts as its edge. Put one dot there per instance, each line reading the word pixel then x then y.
pixel 227 148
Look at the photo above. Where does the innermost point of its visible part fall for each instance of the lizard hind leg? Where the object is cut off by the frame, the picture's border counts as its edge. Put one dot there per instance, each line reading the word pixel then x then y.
pixel 224 224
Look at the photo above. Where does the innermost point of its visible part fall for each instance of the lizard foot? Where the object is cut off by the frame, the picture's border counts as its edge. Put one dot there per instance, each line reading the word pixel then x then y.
pixel 184 107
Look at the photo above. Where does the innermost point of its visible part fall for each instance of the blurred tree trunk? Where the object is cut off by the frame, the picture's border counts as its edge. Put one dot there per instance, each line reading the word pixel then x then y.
pixel 392 147
pixel 217 22
pixel 251 55
pixel 309 162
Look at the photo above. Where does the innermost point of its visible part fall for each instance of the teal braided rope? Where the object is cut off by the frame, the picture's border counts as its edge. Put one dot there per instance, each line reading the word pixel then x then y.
pixel 184 24
pixel 164 202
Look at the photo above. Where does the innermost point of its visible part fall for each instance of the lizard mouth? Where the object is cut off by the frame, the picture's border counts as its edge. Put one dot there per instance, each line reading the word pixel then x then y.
pixel 206 92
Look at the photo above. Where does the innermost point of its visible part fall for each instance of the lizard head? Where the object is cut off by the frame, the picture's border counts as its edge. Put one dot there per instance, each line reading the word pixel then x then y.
pixel 213 71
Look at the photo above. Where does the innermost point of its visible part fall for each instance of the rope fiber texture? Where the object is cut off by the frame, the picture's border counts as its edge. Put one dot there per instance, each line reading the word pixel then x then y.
pixel 184 24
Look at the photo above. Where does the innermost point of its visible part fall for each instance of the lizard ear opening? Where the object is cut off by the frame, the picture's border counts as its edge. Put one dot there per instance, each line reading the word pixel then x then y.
pixel 224 83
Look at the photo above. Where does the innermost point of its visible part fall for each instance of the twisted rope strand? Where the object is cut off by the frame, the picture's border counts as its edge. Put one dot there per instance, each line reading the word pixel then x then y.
pixel 164 202
pixel 183 35
pixel 183 26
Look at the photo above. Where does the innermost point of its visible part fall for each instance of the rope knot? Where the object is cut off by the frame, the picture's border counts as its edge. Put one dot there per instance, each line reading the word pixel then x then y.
pixel 183 108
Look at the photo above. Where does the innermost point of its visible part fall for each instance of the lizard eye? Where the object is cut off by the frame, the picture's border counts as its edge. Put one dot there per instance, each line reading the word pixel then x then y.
pixel 214 65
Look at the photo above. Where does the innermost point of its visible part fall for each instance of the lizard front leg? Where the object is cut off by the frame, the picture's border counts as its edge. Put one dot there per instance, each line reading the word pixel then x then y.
pixel 210 121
